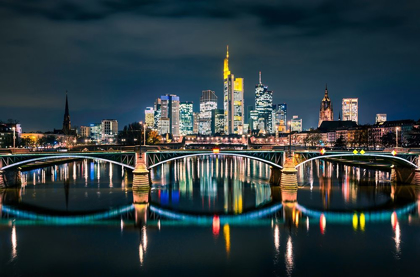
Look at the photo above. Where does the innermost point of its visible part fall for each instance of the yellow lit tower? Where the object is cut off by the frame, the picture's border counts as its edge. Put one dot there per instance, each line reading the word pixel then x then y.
pixel 233 100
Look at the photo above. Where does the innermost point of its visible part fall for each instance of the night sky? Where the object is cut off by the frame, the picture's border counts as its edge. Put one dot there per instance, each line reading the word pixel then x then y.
pixel 116 57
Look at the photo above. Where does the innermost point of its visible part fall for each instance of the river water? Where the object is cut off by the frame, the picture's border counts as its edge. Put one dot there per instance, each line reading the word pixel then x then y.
pixel 209 217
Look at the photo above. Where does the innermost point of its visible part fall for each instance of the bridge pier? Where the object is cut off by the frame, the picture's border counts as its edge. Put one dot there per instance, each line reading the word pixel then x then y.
pixel 275 176
pixel 289 175
pixel 10 178
pixel 141 178
pixel 401 175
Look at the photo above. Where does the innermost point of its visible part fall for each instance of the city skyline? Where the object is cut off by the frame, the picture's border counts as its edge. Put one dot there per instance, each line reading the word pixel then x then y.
pixel 377 63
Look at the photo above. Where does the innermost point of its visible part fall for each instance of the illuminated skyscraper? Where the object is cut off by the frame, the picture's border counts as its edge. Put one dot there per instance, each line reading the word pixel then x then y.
pixel 233 100
pixel 149 117
pixel 326 110
pixel 157 113
pixel 208 102
pixel 186 120
pixel 217 121
pixel 196 117
pixel 296 124
pixel 170 110
pixel 280 111
pixel 264 106
pixel 350 109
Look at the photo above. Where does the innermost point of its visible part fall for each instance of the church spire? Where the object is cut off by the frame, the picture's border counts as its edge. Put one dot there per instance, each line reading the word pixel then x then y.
pixel 326 89
pixel 66 121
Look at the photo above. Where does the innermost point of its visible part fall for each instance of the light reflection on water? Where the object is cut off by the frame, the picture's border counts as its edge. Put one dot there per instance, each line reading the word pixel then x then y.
pixel 345 210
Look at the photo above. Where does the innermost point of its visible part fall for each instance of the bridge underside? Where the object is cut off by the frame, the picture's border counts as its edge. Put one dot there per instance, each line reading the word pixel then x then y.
pixel 127 159
pixel 273 158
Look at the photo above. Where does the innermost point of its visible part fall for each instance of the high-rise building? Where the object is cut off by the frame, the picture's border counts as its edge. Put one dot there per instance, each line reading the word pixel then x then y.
pixel 264 106
pixel 164 126
pixel 66 121
pixel 326 110
pixel 95 132
pixel 350 109
pixel 380 118
pixel 84 131
pixel 170 109
pixel 109 129
pixel 280 118
pixel 149 117
pixel 217 121
pixel 186 120
pixel 233 100
pixel 253 120
pixel 208 102
pixel 296 124
pixel 196 117
pixel 157 113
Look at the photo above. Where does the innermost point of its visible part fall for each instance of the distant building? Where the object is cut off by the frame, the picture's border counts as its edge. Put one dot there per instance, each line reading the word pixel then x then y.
pixel 84 131
pixel 157 113
pixel 264 106
pixel 95 132
pixel 6 136
pixel 196 118
pixel 253 120
pixel 296 124
pixel 170 110
pixel 350 109
pixel 164 126
pixel 149 117
pixel 233 100
pixel 280 118
pixel 380 118
pixel 109 129
pixel 208 103
pixel 326 110
pixel 218 121
pixel 186 120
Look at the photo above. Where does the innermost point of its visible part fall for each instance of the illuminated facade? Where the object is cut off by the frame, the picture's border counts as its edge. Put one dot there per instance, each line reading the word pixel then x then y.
pixel 186 120
pixel 233 100
pixel 296 124
pixel 196 117
pixel 157 113
pixel 109 130
pixel 95 132
pixel 217 121
pixel 208 103
pixel 149 117
pixel 253 120
pixel 280 118
pixel 326 109
pixel 170 110
pixel 264 107
pixel 84 131
pixel 380 118
pixel 350 109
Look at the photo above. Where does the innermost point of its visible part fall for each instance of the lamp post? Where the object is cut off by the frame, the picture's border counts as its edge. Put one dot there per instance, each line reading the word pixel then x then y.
pixel 290 138
pixel 144 133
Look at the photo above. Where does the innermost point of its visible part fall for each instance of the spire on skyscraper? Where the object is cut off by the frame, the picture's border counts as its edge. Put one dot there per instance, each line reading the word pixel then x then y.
pixel 260 78
pixel 226 71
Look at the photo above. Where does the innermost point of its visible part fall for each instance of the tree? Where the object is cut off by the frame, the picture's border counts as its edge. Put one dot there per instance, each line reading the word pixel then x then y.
pixel 388 139
pixel 132 134
pixel 49 140
pixel 153 137
pixel 340 142
pixel 414 137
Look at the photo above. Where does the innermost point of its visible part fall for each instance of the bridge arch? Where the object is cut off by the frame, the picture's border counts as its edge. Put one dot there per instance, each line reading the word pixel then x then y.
pixel 65 156
pixel 399 159
pixel 218 154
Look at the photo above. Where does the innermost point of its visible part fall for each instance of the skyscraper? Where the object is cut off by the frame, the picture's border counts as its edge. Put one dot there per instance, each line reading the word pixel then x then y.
pixel 149 117
pixel 350 109
pixel 170 110
pixel 326 110
pixel 208 102
pixel 296 124
pixel 233 100
pixel 157 113
pixel 264 106
pixel 66 121
pixel 196 117
pixel 217 121
pixel 186 120
pixel 280 121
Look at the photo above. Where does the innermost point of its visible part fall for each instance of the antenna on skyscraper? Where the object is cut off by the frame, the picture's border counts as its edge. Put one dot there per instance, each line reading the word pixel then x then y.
pixel 260 77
